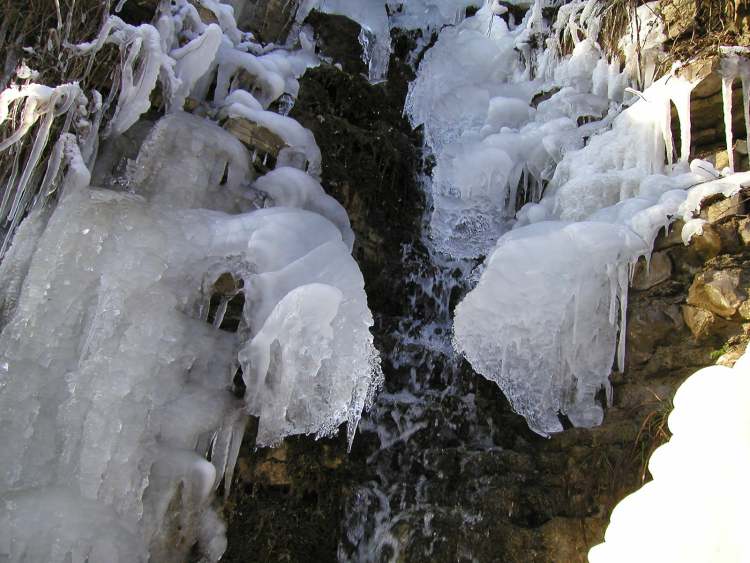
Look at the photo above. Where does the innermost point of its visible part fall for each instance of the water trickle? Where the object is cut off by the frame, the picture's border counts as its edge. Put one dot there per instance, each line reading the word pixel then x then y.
pixel 425 417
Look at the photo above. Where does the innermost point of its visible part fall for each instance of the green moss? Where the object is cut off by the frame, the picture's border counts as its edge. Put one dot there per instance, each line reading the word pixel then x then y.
pixel 718 353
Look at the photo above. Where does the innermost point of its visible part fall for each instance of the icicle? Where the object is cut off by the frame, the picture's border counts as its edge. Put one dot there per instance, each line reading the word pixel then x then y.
pixel 726 94
pixel 238 432
pixel 666 124
pixel 611 270
pixel 728 72
pixel 40 102
pixel 53 168
pixel 11 181
pixel 680 95
pixel 90 142
pixel 221 311
pixel 623 277
pixel 744 68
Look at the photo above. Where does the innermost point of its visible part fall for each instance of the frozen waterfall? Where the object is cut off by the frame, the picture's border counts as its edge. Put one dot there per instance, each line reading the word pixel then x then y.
pixel 173 267
pixel 516 121
pixel 145 319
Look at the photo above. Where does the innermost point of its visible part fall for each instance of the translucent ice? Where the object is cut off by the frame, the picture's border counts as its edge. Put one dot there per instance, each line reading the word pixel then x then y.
pixel 734 63
pixel 546 320
pixel 543 320
pixel 296 137
pixel 33 102
pixel 124 388
pixel 144 59
pixel 116 390
pixel 501 108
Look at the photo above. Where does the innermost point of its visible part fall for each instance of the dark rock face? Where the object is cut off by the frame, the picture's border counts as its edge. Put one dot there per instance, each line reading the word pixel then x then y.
pixel 270 20
pixel 371 159
pixel 337 38
pixel 287 502
pixel 139 11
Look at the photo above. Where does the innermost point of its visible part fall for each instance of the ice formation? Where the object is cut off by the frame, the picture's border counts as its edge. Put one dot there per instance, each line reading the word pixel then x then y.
pixel 127 370
pixel 35 102
pixel 694 509
pixel 511 118
pixel 547 349
pixel 734 64
pixel 499 114
pixel 298 139
pixel 545 319
pixel 181 54
pixel 473 95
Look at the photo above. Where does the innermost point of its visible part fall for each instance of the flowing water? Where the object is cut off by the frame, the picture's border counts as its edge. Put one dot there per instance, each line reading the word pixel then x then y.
pixel 427 416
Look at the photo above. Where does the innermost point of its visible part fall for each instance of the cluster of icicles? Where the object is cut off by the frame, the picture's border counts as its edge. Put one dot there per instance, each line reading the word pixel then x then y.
pixel 508 122
pixel 122 408
pixel 510 119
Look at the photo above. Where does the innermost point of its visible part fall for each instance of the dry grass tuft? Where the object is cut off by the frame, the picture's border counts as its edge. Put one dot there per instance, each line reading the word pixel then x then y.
pixel 35 32
pixel 653 432
pixel 616 17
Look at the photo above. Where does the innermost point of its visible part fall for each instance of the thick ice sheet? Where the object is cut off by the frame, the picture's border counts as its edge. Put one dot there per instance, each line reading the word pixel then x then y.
pixel 115 387
pixel 542 322
pixel 122 408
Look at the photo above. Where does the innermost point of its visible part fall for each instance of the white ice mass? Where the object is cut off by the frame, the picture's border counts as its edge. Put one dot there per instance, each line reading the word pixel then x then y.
pixel 694 509
pixel 123 399
pixel 510 119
